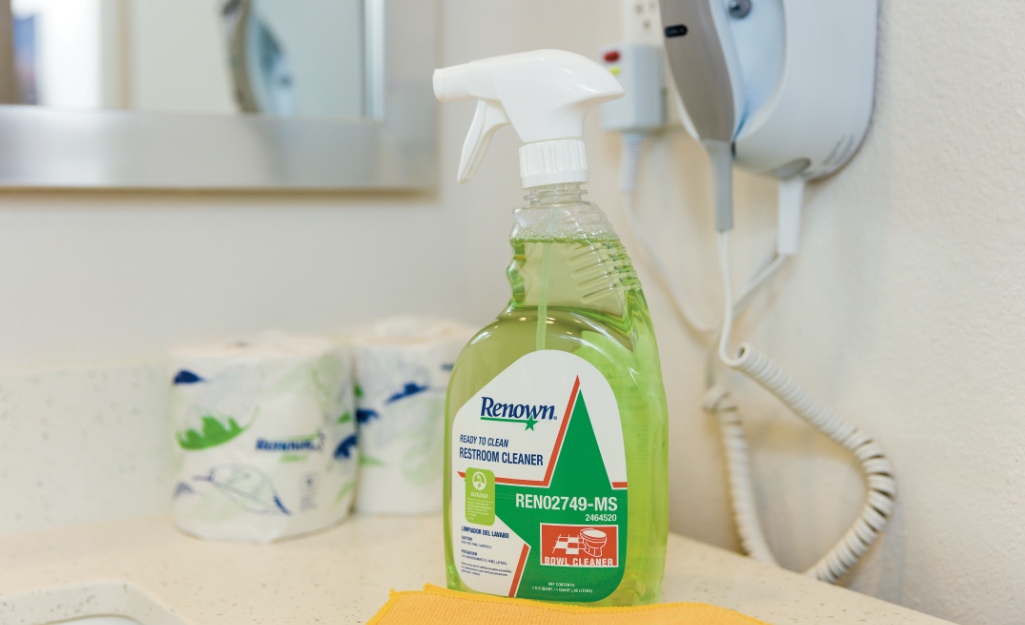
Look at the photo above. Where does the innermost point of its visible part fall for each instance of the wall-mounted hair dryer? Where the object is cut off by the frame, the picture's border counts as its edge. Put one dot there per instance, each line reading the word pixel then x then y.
pixel 789 82
pixel 783 88
pixel 786 85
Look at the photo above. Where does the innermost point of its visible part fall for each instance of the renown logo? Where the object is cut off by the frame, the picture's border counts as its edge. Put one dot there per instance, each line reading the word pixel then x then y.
pixel 491 410
pixel 313 442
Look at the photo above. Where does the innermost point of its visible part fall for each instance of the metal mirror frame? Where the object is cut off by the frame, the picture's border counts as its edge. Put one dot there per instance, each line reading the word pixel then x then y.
pixel 391 147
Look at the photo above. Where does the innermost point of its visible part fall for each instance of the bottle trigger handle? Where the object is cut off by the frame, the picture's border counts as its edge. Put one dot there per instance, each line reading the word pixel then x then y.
pixel 490 116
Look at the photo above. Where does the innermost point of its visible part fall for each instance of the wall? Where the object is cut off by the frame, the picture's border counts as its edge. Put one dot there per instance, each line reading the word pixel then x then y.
pixel 903 310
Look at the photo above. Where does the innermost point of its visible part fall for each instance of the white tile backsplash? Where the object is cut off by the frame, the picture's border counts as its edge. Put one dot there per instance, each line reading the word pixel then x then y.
pixel 83 444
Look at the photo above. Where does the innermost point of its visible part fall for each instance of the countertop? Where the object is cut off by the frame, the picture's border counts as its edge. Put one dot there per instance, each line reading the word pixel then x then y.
pixel 146 569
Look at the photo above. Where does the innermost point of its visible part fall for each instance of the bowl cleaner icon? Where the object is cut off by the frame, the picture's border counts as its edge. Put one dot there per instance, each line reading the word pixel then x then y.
pixel 592 541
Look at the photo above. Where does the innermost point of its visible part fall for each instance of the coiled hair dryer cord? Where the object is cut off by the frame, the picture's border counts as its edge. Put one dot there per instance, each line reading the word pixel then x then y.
pixel 880 483
pixel 881 486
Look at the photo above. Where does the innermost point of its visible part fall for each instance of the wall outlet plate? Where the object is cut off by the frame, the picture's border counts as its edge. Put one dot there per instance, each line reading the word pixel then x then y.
pixel 642 23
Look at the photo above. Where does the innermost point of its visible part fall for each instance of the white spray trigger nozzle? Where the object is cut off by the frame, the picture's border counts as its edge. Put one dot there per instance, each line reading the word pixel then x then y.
pixel 490 116
pixel 544 95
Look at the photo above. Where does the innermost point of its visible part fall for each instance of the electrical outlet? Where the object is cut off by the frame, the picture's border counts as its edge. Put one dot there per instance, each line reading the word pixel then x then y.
pixel 642 22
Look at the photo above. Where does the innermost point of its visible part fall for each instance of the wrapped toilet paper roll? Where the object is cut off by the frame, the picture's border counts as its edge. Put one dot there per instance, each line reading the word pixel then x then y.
pixel 267 430
pixel 403 366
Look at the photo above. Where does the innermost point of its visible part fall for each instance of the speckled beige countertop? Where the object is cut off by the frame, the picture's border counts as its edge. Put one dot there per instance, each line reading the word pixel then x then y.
pixel 147 570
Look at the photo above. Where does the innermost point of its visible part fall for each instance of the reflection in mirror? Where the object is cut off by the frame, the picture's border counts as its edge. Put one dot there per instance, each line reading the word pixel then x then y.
pixel 189 56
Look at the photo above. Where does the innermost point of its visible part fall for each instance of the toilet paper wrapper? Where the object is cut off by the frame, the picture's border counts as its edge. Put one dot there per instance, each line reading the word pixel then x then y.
pixel 403 365
pixel 266 430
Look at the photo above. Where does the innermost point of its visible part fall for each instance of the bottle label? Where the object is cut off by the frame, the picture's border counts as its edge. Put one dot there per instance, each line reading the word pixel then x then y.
pixel 539 497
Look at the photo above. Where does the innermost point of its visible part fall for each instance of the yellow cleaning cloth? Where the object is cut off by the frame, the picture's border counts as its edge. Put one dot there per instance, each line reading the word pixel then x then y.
pixel 439 606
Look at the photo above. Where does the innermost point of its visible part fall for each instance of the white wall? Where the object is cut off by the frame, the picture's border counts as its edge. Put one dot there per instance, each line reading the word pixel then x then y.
pixel 903 311
pixel 118 276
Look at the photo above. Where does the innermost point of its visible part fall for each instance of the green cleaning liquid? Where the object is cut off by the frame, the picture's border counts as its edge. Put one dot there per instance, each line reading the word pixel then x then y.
pixel 556 483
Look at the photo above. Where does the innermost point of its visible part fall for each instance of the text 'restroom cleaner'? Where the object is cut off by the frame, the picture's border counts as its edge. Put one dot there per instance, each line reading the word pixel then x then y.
pixel 555 460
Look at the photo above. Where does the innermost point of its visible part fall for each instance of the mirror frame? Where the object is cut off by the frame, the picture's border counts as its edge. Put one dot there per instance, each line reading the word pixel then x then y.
pixel 391 147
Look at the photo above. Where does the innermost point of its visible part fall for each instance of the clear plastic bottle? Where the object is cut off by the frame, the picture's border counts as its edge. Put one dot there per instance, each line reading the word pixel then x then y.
pixel 574 290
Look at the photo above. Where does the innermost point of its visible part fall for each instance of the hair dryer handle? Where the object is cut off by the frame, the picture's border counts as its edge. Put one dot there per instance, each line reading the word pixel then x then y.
pixel 705 66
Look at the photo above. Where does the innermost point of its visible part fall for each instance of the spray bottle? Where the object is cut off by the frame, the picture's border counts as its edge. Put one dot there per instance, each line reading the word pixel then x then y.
pixel 556 481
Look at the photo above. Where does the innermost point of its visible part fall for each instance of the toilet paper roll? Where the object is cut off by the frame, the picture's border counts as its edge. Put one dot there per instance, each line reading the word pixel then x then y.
pixel 267 430
pixel 403 366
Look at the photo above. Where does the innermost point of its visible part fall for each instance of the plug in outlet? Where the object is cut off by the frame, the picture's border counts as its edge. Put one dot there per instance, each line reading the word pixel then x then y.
pixel 642 23
pixel 638 66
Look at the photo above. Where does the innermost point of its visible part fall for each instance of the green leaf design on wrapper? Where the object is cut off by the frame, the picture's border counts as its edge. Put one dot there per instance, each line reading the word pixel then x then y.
pixel 214 433
pixel 367 461
pixel 345 490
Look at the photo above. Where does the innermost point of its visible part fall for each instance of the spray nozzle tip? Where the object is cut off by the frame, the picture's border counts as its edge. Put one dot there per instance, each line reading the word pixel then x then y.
pixel 452 83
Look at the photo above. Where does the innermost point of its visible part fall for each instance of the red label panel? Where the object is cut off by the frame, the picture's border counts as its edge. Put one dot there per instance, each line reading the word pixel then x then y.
pixel 589 546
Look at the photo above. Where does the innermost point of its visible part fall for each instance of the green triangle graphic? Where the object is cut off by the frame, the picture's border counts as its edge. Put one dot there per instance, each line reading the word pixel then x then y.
pixel 579 478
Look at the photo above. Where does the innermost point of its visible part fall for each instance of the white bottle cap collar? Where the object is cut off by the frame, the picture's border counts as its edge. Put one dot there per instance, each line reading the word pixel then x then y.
pixel 553 162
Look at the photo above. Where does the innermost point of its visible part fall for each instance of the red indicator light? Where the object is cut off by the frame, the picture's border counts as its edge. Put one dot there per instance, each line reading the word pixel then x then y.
pixel 612 56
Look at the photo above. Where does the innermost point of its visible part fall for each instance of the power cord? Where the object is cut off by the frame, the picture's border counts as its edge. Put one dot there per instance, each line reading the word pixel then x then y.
pixel 881 486
pixel 629 165
pixel 878 473
pixel 718 400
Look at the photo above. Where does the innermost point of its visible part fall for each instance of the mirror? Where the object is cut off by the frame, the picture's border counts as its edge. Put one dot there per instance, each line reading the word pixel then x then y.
pixel 192 56
pixel 263 85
